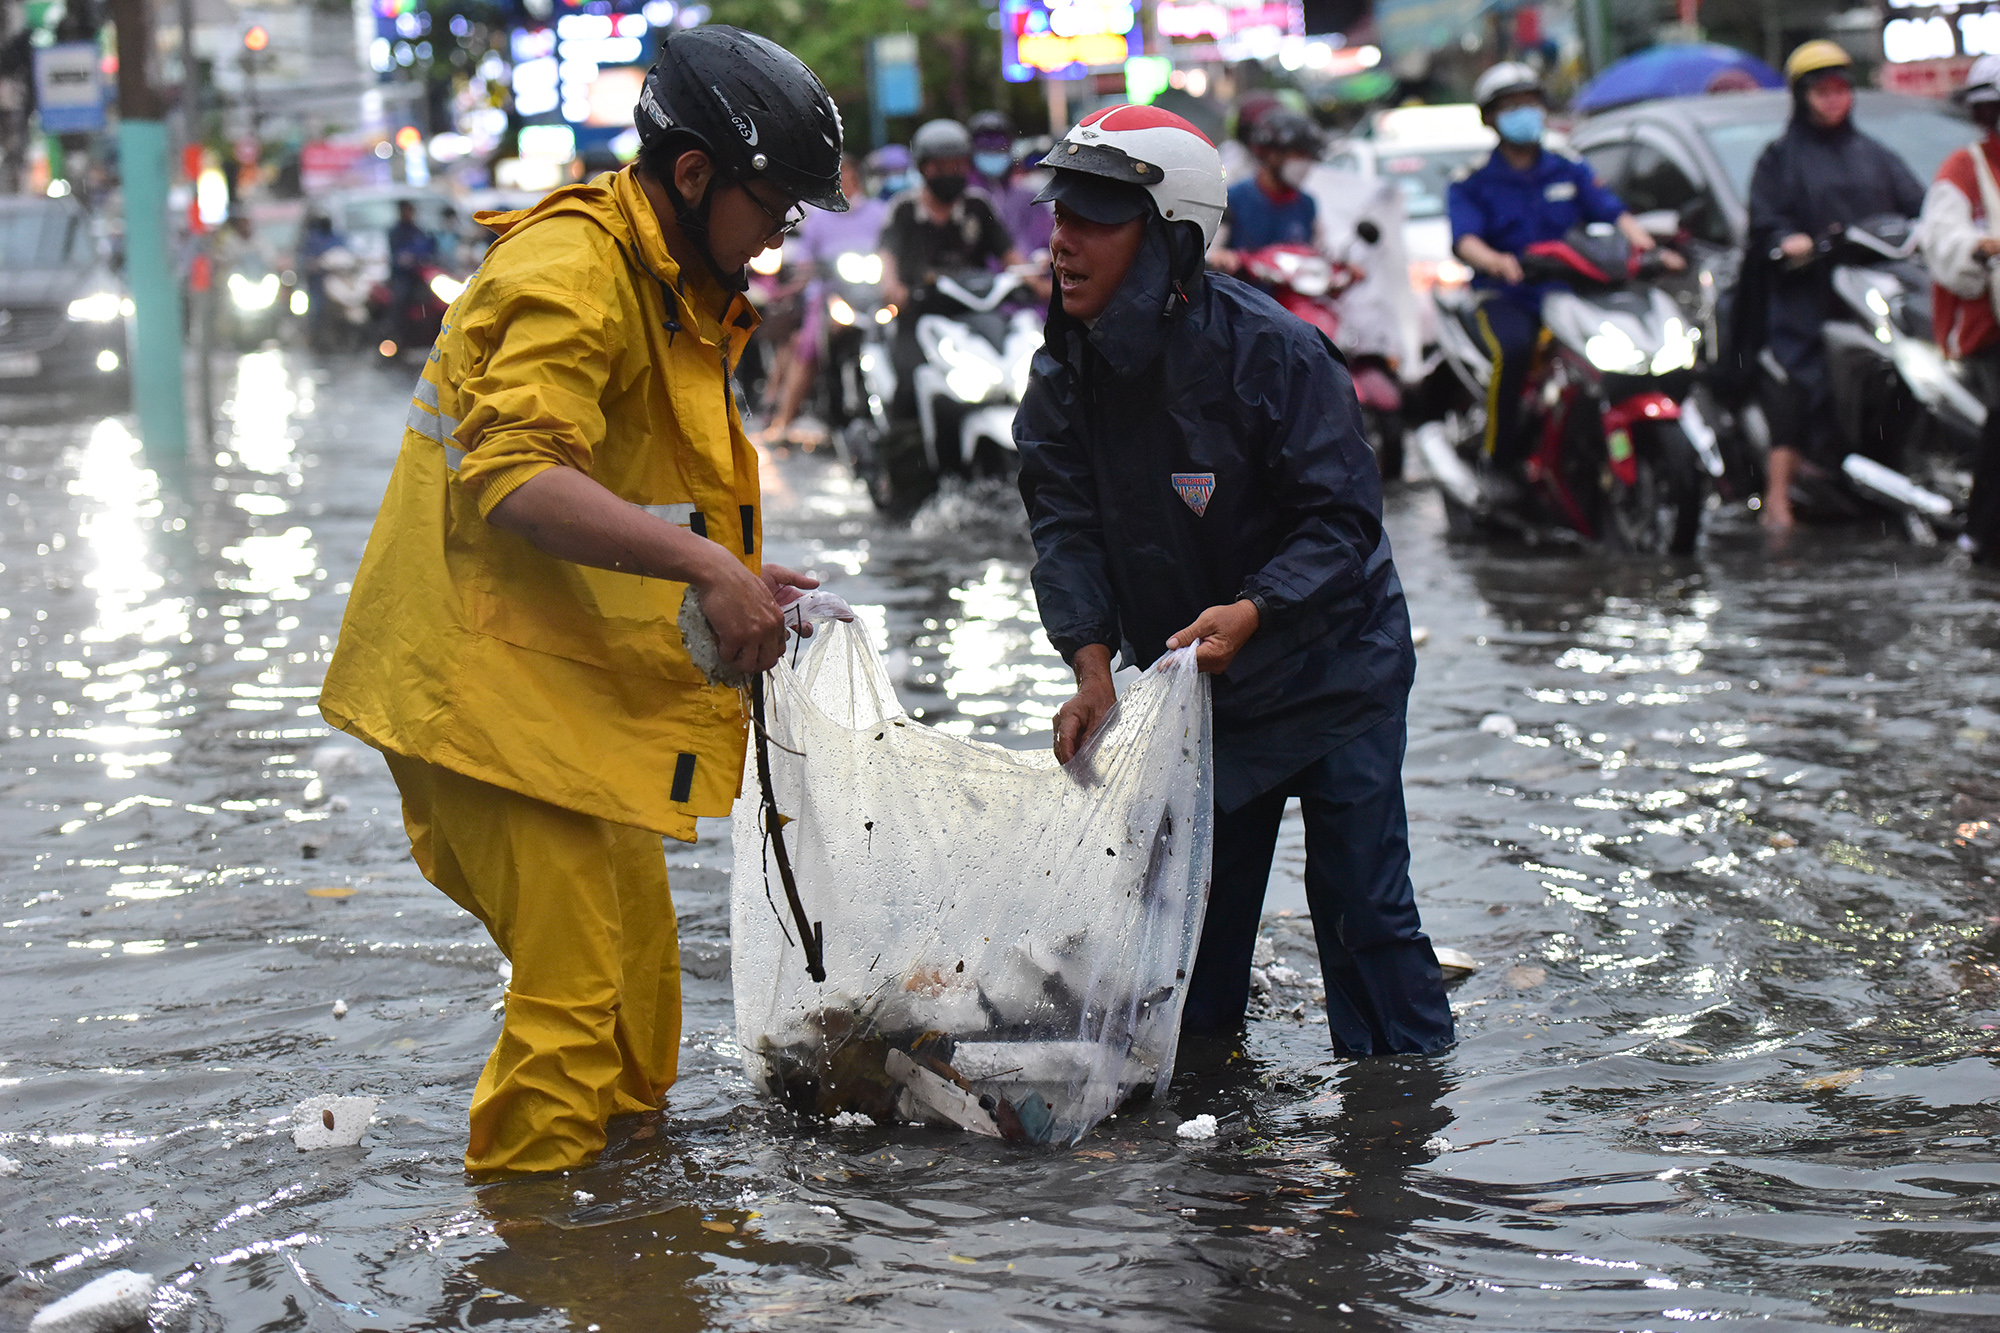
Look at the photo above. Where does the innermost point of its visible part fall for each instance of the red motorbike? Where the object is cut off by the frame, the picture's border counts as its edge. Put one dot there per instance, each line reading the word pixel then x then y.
pixel 1609 462
pixel 411 323
pixel 1309 284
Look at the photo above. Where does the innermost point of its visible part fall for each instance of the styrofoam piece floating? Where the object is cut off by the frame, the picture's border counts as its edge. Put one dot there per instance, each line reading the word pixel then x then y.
pixel 331 1122
pixel 113 1302
pixel 1200 1127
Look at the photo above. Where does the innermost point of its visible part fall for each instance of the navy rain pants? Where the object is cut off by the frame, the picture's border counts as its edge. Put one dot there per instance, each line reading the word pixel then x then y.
pixel 1384 991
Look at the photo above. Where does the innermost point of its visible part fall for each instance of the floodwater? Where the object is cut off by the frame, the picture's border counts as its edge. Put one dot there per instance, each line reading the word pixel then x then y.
pixel 1731 1055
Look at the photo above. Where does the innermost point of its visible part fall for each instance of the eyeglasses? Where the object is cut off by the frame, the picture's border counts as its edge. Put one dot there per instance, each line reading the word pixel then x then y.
pixel 782 224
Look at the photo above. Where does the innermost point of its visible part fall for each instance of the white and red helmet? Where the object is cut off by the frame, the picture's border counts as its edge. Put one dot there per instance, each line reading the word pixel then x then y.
pixel 1140 145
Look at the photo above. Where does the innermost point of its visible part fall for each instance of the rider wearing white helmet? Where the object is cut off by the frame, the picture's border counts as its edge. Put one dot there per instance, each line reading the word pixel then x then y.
pixel 1520 195
pixel 942 227
pixel 1960 246
pixel 1194 472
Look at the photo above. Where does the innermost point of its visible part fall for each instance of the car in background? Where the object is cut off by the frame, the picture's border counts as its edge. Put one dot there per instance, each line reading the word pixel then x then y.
pixel 1693 156
pixel 1683 165
pixel 363 216
pixel 63 312
pixel 1420 149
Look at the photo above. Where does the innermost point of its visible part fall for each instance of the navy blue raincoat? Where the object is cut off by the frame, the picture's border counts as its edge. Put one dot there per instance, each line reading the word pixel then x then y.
pixel 1195 446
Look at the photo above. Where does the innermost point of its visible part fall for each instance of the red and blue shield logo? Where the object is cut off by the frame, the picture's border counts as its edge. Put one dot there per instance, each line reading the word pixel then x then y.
pixel 1195 489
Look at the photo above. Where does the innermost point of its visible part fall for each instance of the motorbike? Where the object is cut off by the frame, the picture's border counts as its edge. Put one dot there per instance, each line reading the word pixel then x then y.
pixel 1610 461
pixel 1309 284
pixel 977 333
pixel 1908 422
pixel 337 318
pixel 413 323
pixel 854 383
pixel 250 312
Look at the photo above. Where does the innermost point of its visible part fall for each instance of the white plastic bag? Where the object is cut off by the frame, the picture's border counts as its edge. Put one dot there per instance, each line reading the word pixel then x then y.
pixel 1007 942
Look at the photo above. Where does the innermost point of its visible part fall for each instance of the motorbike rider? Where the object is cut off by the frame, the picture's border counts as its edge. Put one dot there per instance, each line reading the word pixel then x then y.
pixel 943 226
pixel 1194 472
pixel 1522 194
pixel 1819 175
pixel 410 248
pixel 573 464
pixel 1272 208
pixel 316 241
pixel 1961 239
pixel 994 172
pixel 823 237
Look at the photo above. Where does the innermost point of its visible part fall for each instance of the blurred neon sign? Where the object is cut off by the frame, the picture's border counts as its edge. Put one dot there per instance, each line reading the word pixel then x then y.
pixel 1207 18
pixel 1063 39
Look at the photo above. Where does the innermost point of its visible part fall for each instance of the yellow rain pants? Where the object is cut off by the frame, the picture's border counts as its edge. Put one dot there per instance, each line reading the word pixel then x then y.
pixel 580 906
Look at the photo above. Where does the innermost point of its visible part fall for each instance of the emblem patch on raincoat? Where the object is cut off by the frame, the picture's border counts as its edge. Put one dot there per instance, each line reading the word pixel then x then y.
pixel 1195 488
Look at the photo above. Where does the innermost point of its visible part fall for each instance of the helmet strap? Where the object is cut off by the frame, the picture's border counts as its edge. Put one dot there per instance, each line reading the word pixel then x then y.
pixel 693 222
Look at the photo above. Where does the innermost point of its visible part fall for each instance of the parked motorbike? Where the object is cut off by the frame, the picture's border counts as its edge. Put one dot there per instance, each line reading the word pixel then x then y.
pixel 1611 462
pixel 977 334
pixel 1309 284
pixel 1908 423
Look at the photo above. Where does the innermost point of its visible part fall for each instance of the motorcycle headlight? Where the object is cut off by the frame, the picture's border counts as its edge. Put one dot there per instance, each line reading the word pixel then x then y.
pixel 861 269
pixel 259 295
pixel 445 287
pixel 1677 347
pixel 971 370
pixel 842 312
pixel 96 308
pixel 1611 349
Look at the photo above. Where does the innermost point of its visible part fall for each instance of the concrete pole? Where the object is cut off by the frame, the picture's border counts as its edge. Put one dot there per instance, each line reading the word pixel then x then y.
pixel 142 165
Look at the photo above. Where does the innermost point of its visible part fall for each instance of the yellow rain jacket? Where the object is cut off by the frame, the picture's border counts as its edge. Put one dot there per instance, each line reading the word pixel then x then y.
pixel 583 342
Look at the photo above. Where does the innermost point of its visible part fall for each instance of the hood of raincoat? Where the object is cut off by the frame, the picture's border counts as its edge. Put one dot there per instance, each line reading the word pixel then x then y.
pixel 583 341
pixel 1194 446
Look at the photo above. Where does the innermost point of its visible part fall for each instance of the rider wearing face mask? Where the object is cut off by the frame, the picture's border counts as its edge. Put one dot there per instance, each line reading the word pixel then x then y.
pixel 1522 194
pixel 943 227
pixel 1272 208
pixel 1028 222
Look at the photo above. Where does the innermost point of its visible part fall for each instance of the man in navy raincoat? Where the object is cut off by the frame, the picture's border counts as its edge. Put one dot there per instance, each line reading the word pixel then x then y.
pixel 1194 469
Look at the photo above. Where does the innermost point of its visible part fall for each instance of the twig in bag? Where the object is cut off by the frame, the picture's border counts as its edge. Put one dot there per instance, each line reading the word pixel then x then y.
pixel 811 936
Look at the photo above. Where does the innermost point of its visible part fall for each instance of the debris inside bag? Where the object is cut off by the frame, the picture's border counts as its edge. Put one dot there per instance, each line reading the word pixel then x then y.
pixel 1006 941
pixel 113 1302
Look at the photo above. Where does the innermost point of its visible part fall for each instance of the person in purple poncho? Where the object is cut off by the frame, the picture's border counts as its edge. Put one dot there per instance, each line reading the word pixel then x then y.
pixel 994 170
pixel 823 238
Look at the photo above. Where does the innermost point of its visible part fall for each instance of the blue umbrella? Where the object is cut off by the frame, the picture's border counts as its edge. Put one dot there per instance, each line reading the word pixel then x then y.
pixel 1670 71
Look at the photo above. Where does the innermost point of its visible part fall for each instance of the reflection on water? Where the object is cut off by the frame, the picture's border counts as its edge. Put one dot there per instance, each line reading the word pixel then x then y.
pixel 1731 1056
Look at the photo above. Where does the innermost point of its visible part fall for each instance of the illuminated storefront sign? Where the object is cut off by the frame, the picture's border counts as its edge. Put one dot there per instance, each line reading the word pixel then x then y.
pixel 1928 46
pixel 1204 18
pixel 1062 39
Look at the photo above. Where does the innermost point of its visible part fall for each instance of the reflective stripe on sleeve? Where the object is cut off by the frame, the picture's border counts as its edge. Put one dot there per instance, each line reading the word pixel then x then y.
pixel 439 429
pixel 681 515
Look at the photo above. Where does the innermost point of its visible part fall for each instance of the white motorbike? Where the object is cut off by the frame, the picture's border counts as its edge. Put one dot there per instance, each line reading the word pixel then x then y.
pixel 977 332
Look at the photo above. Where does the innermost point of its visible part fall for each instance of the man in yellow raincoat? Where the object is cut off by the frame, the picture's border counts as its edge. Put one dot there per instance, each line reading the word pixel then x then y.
pixel 573 463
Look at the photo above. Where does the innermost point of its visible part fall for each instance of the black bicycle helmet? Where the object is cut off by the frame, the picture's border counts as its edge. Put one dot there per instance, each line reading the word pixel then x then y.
pixel 753 106
pixel 1287 131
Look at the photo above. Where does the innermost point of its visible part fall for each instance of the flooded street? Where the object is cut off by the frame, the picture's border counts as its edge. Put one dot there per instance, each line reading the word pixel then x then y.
pixel 1718 830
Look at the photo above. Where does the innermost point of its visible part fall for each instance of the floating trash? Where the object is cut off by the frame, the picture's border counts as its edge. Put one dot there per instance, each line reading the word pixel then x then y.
pixel 1200 1127
pixel 331 1122
pixel 113 1302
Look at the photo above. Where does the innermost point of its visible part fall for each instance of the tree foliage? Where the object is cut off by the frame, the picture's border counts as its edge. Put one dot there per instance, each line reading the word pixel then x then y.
pixel 958 53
